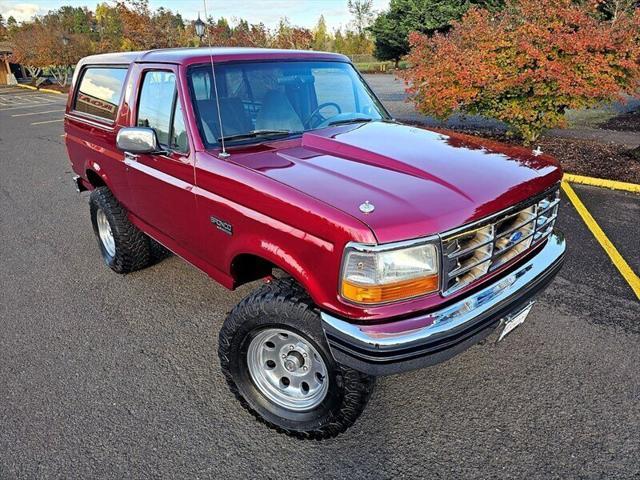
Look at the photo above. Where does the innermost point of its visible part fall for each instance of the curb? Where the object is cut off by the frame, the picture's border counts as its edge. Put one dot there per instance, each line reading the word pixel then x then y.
pixel 45 90
pixel 25 86
pixel 602 182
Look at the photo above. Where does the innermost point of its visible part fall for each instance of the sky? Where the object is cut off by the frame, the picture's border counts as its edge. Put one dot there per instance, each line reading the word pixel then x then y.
pixel 304 13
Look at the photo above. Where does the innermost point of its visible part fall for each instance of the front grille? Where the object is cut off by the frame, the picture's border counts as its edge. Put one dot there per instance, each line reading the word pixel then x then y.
pixel 471 252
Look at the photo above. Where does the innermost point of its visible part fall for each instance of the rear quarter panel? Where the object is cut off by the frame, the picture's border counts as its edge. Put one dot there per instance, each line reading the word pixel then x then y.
pixel 91 141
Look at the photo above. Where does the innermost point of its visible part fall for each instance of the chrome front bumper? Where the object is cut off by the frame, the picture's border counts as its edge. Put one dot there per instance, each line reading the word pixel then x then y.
pixel 402 345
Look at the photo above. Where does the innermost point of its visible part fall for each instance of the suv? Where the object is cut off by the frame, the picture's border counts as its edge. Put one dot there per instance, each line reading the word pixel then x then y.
pixel 384 248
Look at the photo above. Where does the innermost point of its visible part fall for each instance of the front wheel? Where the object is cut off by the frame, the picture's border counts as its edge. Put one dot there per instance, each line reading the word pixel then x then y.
pixel 277 363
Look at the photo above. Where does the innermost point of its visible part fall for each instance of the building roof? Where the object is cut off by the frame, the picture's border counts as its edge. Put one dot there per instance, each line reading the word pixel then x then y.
pixel 188 56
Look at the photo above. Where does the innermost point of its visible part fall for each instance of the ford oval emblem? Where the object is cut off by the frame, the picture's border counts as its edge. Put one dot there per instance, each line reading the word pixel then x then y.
pixel 515 236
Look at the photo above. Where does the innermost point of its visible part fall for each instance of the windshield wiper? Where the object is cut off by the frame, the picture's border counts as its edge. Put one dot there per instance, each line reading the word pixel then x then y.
pixel 255 134
pixel 350 120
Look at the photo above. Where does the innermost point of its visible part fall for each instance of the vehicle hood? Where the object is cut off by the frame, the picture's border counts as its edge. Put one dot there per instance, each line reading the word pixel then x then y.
pixel 421 182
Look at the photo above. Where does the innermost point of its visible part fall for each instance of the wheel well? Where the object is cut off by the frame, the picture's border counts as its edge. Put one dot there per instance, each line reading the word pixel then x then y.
pixel 247 267
pixel 95 180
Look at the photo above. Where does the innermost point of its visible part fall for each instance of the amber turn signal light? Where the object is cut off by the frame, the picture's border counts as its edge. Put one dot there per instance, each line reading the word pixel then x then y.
pixel 369 294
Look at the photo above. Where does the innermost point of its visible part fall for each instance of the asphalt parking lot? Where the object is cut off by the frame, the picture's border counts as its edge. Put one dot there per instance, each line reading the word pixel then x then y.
pixel 108 376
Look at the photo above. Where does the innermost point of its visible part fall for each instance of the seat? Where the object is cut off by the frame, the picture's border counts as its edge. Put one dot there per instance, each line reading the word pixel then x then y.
pixel 234 118
pixel 277 113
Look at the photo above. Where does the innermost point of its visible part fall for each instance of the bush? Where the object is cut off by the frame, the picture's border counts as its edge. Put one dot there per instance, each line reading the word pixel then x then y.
pixel 526 65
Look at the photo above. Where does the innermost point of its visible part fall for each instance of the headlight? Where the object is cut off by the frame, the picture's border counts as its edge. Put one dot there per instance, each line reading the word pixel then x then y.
pixel 389 273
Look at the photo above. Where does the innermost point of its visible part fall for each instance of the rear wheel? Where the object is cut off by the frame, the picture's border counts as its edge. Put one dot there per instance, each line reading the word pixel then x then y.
pixel 124 248
pixel 277 363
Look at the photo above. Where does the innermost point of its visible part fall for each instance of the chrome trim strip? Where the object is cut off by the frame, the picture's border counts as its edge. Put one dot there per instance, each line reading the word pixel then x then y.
pixel 442 322
pixel 517 227
pixel 460 271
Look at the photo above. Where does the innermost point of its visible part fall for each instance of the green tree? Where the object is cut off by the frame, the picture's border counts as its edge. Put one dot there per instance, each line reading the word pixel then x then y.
pixel 362 11
pixel 3 28
pixel 12 24
pixel 613 9
pixel 109 27
pixel 338 41
pixel 391 28
pixel 70 19
pixel 321 36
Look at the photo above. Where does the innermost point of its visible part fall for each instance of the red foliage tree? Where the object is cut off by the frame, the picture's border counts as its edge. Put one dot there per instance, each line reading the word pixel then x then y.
pixel 527 64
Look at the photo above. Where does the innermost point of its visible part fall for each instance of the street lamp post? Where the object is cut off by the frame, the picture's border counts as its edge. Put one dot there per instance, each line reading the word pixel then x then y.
pixel 199 26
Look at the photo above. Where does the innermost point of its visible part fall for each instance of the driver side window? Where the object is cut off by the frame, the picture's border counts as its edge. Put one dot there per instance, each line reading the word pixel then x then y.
pixel 159 108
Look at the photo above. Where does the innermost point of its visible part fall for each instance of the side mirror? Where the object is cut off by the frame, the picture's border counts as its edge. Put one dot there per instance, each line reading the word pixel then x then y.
pixel 137 140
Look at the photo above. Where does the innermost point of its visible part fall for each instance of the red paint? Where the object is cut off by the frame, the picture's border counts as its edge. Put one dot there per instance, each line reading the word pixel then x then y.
pixel 295 202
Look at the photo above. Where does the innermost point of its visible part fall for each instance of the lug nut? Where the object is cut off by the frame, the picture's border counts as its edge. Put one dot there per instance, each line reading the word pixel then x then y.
pixel 291 347
pixel 304 354
pixel 284 355
pixel 305 368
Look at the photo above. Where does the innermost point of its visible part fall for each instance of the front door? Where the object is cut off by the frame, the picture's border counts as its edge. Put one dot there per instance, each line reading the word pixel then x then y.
pixel 162 184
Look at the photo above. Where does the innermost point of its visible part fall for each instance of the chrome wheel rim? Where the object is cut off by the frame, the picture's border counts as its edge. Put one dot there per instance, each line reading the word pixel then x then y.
pixel 287 369
pixel 105 234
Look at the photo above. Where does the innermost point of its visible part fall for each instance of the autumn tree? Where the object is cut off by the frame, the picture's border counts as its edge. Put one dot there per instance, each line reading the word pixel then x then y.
pixel 289 36
pixel 527 65
pixel 250 35
pixel 30 48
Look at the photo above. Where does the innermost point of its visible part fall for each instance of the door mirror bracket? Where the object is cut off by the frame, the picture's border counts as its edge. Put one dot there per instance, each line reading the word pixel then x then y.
pixel 138 140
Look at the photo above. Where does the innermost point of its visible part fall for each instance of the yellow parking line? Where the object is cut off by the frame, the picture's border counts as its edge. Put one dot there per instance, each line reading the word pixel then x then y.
pixel 35 113
pixel 620 263
pixel 48 121
pixel 602 182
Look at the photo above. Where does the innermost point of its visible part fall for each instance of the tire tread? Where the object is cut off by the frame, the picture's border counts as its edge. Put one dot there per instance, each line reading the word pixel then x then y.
pixel 286 297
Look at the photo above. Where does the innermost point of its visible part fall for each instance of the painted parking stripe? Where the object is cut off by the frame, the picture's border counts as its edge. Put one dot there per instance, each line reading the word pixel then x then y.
pixel 31 106
pixel 35 113
pixel 602 182
pixel 48 121
pixel 25 104
pixel 620 263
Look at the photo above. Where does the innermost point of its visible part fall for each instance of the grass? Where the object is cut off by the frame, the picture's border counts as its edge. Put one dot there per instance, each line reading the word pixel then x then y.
pixel 378 67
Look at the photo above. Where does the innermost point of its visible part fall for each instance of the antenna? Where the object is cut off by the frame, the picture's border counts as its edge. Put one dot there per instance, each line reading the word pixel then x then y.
pixel 223 154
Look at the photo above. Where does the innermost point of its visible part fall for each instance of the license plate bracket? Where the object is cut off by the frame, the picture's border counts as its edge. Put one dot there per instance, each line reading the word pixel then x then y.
pixel 514 320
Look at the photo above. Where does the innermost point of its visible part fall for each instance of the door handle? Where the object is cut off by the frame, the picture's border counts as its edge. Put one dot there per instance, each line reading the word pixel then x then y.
pixel 130 156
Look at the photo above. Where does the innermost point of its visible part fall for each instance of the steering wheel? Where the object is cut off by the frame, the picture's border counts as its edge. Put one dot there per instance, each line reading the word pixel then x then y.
pixel 316 113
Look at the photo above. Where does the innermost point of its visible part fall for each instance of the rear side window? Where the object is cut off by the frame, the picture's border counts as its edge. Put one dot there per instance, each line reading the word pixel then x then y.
pixel 159 108
pixel 100 91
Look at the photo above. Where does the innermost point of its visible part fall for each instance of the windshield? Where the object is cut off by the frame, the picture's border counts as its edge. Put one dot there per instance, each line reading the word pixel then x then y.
pixel 278 99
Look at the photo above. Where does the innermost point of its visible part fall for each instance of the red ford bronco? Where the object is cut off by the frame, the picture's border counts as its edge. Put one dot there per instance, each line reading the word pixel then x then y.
pixel 384 247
